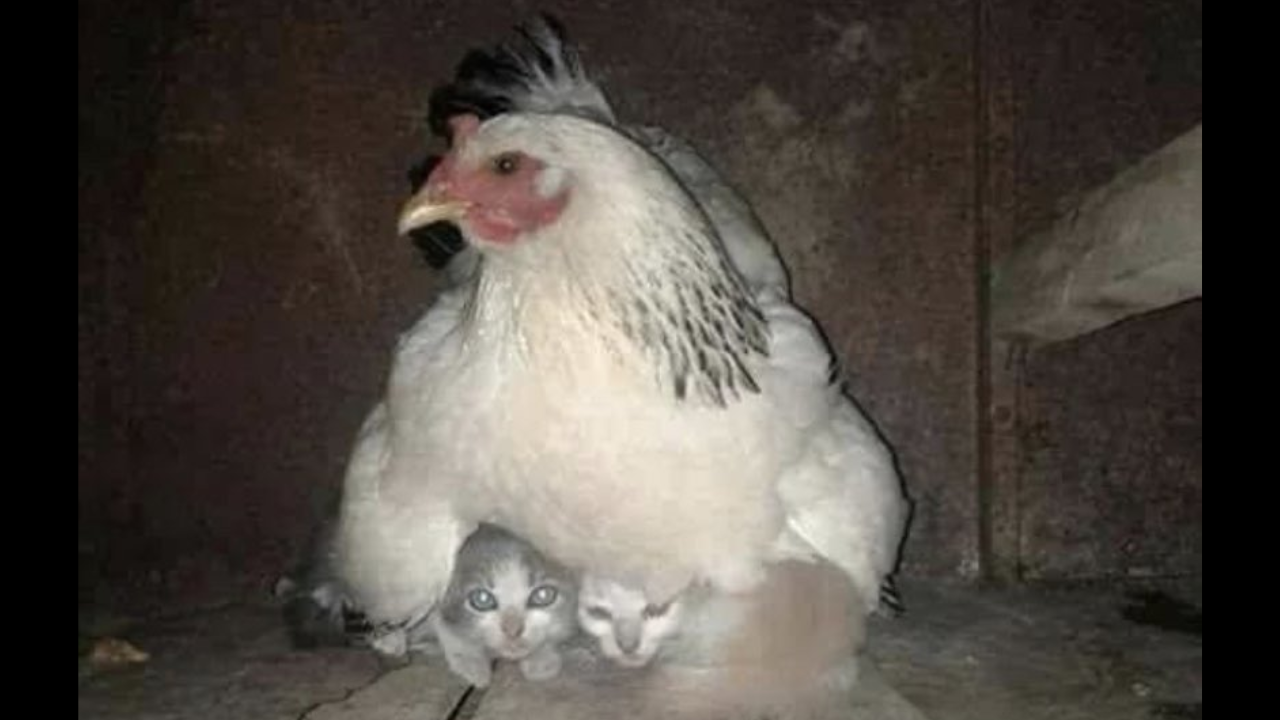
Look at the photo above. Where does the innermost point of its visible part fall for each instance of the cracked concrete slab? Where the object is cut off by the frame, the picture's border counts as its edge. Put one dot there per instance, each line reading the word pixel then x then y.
pixel 420 691
pixel 589 689
pixel 961 653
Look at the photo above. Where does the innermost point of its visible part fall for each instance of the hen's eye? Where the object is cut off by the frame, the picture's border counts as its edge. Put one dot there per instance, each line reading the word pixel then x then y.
pixel 506 163
pixel 482 600
pixel 655 611
pixel 543 596
pixel 599 613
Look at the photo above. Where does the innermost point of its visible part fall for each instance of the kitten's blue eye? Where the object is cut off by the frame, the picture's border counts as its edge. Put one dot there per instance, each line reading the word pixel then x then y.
pixel 543 596
pixel 482 600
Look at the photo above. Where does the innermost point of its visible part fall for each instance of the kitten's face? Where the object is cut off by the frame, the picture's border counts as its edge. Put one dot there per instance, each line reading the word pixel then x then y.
pixel 512 603
pixel 630 629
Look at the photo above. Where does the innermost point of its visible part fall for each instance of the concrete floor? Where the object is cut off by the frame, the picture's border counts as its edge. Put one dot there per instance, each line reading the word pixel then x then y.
pixel 960 654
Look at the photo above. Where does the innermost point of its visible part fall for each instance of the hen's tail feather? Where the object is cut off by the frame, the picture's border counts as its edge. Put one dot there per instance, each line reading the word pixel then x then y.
pixel 538 70
pixel 318 608
pixel 890 599
pixel 321 615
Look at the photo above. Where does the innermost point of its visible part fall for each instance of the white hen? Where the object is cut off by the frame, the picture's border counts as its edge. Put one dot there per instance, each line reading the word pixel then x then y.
pixel 619 374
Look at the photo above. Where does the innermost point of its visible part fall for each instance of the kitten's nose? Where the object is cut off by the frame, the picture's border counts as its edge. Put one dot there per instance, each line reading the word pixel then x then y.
pixel 629 641
pixel 512 626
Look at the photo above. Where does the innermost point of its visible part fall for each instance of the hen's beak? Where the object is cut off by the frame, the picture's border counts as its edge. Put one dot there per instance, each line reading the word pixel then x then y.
pixel 429 206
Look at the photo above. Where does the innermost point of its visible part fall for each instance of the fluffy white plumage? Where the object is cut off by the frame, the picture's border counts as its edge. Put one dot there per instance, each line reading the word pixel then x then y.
pixel 630 387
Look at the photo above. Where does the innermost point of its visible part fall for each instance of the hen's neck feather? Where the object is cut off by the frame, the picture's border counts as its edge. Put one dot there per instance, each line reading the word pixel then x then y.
pixel 633 267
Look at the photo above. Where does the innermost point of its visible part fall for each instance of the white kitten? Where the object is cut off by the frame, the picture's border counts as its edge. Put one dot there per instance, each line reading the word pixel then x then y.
pixel 788 648
pixel 804 611
pixel 629 629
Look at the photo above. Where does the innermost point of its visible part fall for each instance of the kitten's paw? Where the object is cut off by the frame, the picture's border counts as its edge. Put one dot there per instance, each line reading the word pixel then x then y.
pixel 474 669
pixel 542 665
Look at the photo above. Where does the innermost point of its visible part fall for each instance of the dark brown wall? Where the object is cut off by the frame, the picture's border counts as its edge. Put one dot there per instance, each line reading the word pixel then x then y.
pixel 1111 436
pixel 1114 451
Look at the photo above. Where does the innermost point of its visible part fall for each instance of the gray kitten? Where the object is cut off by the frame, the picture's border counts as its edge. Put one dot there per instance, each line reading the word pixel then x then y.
pixel 505 601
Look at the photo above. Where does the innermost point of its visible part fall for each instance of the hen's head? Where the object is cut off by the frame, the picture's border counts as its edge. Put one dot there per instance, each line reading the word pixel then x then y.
pixel 514 176
pixel 571 209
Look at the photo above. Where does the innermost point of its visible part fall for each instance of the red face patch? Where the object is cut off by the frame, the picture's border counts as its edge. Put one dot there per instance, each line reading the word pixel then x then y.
pixel 502 190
